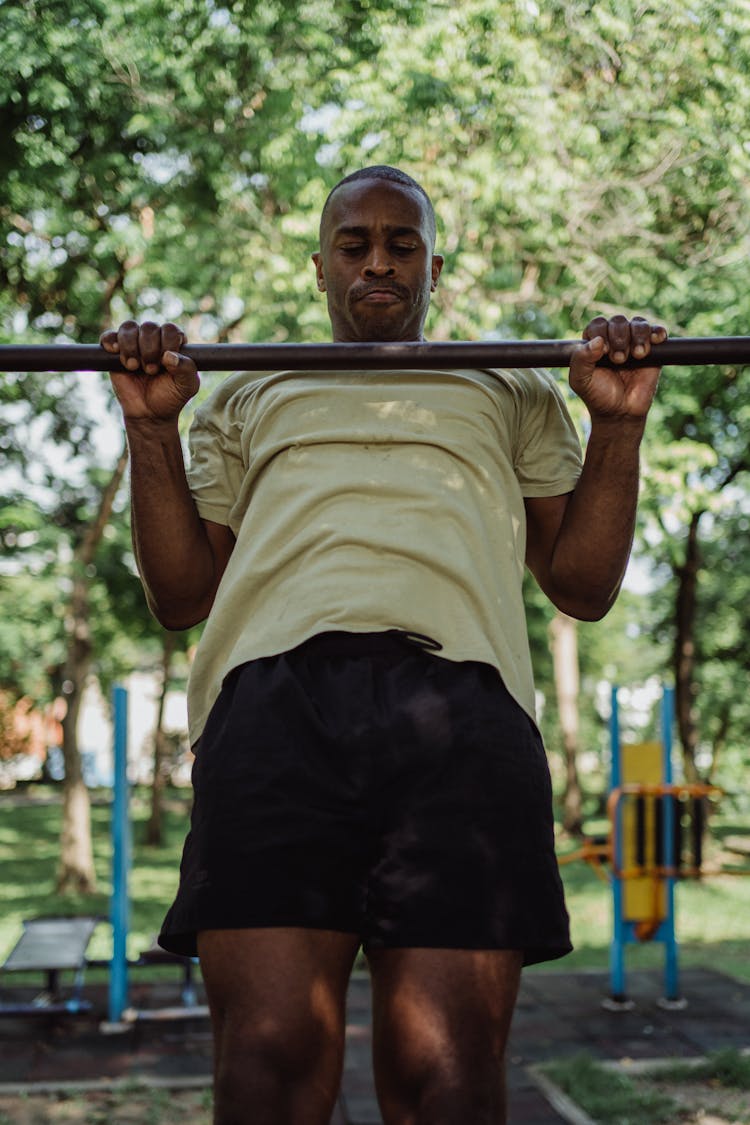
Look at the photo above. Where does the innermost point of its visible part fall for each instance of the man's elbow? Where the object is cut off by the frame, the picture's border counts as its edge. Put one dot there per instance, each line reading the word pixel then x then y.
pixel 588 605
pixel 591 613
pixel 585 597
pixel 175 617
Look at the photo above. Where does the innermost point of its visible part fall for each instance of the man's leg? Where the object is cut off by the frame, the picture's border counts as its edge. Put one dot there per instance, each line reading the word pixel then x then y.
pixel 441 1019
pixel 277 999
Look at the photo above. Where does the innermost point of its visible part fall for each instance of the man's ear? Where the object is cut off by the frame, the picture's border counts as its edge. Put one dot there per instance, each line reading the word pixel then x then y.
pixel 317 258
pixel 437 267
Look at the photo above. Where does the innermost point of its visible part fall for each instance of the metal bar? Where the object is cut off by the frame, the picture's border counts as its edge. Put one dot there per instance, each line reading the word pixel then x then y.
pixel 671 952
pixel 382 356
pixel 619 934
pixel 120 899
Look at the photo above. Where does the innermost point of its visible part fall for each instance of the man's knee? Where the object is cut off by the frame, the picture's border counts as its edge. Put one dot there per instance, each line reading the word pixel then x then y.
pixel 270 1070
pixel 442 1022
pixel 277 999
pixel 266 1042
pixel 440 1081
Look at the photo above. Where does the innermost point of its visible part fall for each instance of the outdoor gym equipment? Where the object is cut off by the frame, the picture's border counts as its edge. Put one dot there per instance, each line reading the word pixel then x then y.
pixel 647 813
pixel 656 828
pixel 51 946
pixel 380 356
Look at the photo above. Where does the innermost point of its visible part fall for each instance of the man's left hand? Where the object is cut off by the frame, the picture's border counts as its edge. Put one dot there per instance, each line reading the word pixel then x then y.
pixel 619 392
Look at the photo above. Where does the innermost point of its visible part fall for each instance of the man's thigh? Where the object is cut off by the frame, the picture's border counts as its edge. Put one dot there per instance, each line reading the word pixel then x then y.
pixel 278 999
pixel 441 1019
pixel 299 975
pixel 446 995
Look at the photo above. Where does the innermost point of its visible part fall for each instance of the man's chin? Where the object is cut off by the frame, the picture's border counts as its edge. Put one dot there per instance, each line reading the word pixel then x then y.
pixel 380 335
pixel 383 331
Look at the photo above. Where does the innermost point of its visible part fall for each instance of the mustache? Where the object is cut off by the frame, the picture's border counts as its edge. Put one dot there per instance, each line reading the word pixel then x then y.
pixel 362 291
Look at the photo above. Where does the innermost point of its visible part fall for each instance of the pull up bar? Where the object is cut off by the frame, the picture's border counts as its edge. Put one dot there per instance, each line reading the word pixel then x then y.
pixel 381 357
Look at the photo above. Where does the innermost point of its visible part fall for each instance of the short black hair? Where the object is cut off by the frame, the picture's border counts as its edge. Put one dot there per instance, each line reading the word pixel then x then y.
pixel 392 175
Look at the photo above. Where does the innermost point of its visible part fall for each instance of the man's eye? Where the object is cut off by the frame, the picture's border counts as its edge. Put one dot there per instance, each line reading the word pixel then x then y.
pixel 352 248
pixel 404 248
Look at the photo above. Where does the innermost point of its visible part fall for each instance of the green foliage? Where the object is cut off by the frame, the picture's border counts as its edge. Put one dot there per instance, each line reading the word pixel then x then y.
pixel 147 144
pixel 39 534
pixel 31 640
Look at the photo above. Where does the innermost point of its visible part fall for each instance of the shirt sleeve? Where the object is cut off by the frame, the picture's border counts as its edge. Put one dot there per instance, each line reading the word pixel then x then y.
pixel 216 469
pixel 548 456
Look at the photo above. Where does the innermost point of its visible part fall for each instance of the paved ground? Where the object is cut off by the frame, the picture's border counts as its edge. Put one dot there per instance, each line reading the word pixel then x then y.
pixel 558 1014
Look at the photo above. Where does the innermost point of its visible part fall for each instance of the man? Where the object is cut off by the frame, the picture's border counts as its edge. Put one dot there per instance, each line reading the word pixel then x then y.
pixel 369 770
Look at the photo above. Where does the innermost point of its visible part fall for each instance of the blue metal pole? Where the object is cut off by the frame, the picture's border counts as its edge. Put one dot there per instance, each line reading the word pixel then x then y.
pixel 120 903
pixel 671 970
pixel 617 948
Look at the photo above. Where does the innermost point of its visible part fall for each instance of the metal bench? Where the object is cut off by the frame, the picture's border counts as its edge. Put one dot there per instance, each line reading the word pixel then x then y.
pixel 51 946
pixel 154 956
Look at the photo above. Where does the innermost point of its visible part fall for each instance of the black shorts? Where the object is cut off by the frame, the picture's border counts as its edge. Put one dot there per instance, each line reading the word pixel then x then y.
pixel 361 783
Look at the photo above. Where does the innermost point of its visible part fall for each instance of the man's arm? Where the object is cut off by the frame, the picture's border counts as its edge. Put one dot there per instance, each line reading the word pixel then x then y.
pixel 180 556
pixel 578 545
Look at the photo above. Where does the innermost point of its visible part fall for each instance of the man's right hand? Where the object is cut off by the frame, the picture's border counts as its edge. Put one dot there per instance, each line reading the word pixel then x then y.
pixel 155 381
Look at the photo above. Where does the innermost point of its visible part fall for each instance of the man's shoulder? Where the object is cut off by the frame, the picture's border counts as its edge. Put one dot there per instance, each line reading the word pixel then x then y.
pixel 225 394
pixel 524 383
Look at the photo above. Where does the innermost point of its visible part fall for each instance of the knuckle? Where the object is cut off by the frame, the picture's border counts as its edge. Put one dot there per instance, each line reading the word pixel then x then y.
pixel 172 336
pixel 596 327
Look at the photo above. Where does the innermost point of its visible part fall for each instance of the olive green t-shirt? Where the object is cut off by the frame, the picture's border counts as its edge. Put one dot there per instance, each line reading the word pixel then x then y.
pixel 366 501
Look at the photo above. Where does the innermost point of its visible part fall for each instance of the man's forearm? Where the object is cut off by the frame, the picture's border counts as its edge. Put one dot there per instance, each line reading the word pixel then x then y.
pixel 172 551
pixel 593 546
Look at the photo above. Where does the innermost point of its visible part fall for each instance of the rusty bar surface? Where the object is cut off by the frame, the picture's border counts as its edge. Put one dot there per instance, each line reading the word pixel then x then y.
pixel 452 355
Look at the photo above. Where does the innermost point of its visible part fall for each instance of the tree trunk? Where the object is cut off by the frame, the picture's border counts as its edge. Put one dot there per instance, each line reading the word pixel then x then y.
pixel 75 871
pixel 564 644
pixel 154 828
pixel 684 649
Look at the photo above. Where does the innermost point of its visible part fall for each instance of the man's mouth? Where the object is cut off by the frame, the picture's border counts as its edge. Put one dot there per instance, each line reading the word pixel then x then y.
pixel 381 295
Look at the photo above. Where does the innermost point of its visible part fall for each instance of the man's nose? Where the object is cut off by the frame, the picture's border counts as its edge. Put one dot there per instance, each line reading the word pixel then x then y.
pixel 379 263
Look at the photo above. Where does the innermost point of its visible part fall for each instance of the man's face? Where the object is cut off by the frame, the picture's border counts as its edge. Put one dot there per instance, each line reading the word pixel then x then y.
pixel 375 262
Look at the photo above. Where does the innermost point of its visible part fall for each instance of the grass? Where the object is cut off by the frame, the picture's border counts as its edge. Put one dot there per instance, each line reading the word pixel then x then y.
pixel 661 1095
pixel 724 1068
pixel 610 1098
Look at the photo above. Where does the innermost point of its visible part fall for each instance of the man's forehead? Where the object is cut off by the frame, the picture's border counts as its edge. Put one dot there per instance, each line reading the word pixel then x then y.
pixel 364 202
